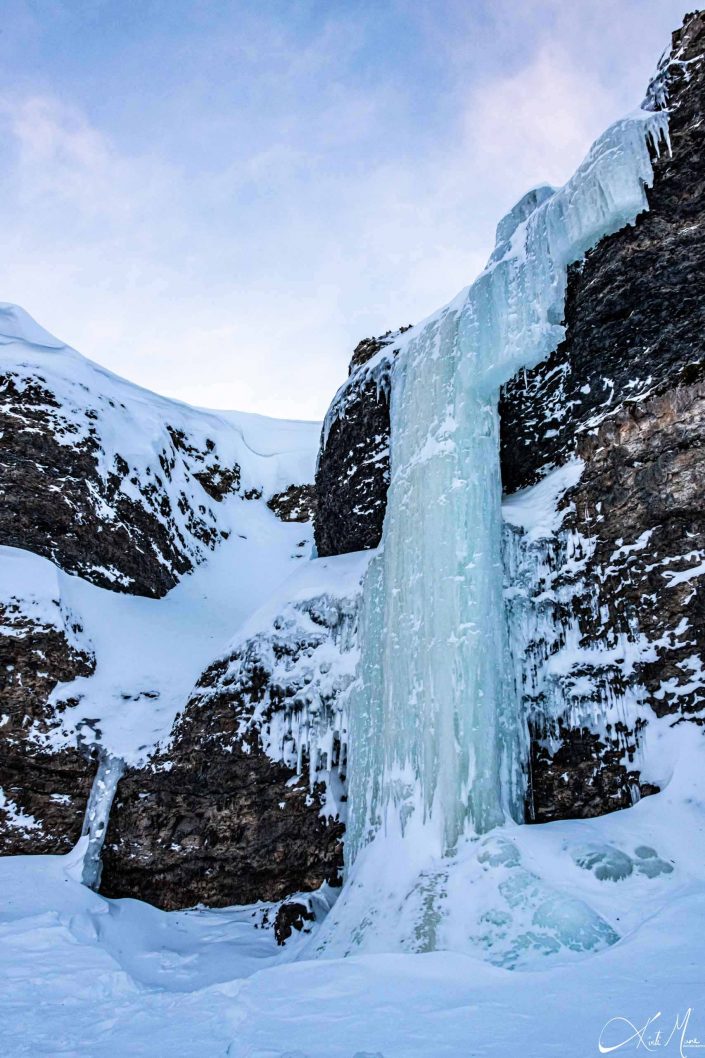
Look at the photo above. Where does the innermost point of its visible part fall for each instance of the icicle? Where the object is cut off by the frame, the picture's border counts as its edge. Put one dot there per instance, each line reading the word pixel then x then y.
pixel 95 823
pixel 435 714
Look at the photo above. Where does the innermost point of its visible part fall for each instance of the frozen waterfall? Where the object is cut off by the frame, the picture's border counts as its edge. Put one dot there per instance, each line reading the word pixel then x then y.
pixel 437 735
pixel 95 824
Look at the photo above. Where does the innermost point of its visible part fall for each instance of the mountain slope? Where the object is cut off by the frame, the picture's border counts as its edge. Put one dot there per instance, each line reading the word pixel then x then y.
pixel 136 535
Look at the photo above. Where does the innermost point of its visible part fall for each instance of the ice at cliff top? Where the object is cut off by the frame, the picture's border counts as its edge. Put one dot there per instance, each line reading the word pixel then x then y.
pixel 436 729
pixel 150 652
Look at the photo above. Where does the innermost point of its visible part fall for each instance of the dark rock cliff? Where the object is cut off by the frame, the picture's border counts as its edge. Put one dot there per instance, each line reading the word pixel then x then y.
pixel 214 820
pixel 295 504
pixel 232 810
pixel 43 791
pixel 353 464
pixel 118 529
pixel 623 392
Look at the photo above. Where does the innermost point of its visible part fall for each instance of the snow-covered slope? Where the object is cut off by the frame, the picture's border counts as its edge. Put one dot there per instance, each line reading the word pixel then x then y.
pixel 111 496
pixel 120 485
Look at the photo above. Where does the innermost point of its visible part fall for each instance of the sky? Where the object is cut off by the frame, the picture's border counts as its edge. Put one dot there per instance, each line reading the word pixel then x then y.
pixel 218 199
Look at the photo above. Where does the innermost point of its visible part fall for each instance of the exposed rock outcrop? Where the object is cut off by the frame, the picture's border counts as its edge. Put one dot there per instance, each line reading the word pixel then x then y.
pixel 352 475
pixel 69 494
pixel 623 393
pixel 113 528
pixel 292 915
pixel 214 820
pixel 295 504
pixel 245 802
pixel 43 791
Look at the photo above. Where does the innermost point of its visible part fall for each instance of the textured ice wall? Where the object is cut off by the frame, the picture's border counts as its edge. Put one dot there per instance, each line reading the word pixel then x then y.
pixel 437 736
pixel 95 824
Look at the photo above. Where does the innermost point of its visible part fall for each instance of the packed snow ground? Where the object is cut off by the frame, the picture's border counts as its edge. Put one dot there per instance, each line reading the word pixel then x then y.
pixel 84 976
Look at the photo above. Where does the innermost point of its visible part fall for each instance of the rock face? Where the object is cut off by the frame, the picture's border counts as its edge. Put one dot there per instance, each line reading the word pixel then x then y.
pixel 240 806
pixel 624 393
pixel 65 494
pixel 353 465
pixel 295 504
pixel 214 820
pixel 43 792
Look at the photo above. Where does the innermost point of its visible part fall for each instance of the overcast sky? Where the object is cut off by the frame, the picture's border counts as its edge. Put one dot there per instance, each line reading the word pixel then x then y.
pixel 219 198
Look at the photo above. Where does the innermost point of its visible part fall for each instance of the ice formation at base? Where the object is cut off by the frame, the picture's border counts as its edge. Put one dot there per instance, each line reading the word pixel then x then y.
pixel 437 732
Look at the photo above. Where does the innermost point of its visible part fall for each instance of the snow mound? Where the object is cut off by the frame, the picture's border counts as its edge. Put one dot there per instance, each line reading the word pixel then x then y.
pixel 18 325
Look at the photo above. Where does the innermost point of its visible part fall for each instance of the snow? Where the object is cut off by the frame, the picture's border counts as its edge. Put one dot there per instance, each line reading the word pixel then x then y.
pixel 464 932
pixel 30 589
pixel 149 653
pixel 81 975
pixel 18 325
pixel 122 419
pixel 15 817
pixel 684 575
pixel 535 509
pixel 305 638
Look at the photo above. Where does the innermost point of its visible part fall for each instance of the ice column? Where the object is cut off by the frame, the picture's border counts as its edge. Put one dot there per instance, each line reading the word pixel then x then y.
pixel 95 823
pixel 436 727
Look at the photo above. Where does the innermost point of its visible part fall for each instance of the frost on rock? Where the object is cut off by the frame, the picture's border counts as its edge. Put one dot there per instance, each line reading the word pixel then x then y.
pixel 437 732
pixel 290 668
pixel 565 682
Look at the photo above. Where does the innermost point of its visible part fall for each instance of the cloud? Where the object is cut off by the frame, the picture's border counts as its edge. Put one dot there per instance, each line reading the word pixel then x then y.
pixel 268 192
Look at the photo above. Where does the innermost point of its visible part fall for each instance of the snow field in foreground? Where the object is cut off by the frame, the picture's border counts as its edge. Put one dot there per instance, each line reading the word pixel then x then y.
pixel 84 976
